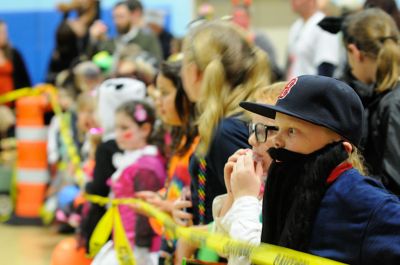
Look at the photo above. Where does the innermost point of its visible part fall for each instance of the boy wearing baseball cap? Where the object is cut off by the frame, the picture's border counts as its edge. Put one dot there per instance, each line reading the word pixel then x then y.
pixel 315 199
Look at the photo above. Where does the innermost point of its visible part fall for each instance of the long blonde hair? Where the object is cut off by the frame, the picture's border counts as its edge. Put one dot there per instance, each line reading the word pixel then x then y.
pixel 269 94
pixel 233 69
pixel 375 33
pixel 357 160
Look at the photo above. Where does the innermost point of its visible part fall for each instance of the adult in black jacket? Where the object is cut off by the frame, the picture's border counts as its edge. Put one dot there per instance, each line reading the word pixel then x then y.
pixel 372 42
pixel 72 35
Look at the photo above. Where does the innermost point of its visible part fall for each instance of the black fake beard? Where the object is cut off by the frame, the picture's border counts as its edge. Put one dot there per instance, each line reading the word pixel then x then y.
pixel 294 189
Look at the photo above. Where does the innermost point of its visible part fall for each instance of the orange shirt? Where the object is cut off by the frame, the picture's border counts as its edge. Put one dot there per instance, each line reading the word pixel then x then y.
pixel 178 177
pixel 178 173
pixel 6 78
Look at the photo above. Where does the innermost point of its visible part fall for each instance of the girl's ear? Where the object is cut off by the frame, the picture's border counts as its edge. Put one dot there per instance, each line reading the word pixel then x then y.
pixel 146 129
pixel 354 51
pixel 348 147
pixel 198 75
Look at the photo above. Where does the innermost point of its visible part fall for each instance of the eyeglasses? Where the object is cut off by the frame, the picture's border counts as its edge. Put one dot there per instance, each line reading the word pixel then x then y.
pixel 262 131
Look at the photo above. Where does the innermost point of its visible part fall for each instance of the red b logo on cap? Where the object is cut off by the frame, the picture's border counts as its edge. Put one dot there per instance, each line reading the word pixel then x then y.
pixel 287 88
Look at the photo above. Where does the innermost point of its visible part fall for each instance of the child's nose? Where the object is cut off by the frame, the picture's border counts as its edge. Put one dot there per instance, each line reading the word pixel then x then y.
pixel 252 139
pixel 278 141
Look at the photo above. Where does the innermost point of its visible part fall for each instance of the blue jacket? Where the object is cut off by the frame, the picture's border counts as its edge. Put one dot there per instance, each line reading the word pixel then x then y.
pixel 358 222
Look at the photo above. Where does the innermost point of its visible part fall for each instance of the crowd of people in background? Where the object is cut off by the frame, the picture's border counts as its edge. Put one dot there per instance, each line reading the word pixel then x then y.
pixel 213 132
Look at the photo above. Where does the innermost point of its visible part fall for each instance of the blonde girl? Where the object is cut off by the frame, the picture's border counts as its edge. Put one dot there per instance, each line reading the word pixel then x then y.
pixel 221 67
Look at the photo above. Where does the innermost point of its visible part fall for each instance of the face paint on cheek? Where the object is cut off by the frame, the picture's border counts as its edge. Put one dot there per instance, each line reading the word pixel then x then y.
pixel 127 135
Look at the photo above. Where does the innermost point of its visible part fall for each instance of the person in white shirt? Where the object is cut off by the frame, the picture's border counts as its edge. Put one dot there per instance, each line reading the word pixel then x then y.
pixel 311 50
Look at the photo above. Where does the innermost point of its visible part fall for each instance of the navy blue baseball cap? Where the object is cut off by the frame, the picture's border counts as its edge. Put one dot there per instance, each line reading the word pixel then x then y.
pixel 321 100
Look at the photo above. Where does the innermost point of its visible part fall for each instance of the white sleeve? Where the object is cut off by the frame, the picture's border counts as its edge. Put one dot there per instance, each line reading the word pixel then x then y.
pixel 218 202
pixel 242 221
pixel 53 154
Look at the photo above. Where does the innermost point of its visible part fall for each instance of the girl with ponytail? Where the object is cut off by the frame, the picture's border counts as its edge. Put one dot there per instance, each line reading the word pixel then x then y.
pixel 221 68
pixel 372 41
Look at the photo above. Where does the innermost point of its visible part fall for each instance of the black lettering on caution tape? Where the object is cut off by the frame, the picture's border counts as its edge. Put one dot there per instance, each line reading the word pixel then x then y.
pixel 282 259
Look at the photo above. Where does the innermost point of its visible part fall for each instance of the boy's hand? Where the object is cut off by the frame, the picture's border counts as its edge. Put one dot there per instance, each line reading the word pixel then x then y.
pixel 229 165
pixel 246 176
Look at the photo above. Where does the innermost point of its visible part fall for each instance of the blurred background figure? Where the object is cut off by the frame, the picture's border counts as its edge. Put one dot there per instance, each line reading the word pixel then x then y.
pixel 72 35
pixel 389 6
pixel 311 50
pixel 128 20
pixel 206 11
pixel 7 119
pixel 372 42
pixel 155 20
pixel 87 12
pixel 88 76
pixel 13 73
pixel 241 15
pixel 81 76
pixel 111 94
pixel 137 64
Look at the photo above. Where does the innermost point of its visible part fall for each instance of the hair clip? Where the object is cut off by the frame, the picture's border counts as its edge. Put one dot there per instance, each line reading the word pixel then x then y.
pixel 140 113
pixel 96 131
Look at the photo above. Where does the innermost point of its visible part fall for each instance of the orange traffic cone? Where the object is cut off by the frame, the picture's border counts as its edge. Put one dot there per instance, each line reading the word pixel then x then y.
pixel 32 172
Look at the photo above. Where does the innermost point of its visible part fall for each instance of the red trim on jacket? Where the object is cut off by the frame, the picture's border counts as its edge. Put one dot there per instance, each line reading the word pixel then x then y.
pixel 338 171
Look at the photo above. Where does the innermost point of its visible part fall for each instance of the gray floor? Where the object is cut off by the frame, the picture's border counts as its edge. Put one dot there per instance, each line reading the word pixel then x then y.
pixel 21 245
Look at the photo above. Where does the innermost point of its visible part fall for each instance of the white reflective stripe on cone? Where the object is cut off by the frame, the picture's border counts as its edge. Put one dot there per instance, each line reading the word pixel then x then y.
pixel 32 133
pixel 36 176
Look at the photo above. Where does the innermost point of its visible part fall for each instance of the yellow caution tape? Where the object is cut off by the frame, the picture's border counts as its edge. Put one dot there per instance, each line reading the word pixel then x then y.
pixel 66 137
pixel 264 254
pixel 64 125
pixel 122 245
pixel 19 93
pixel 102 232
